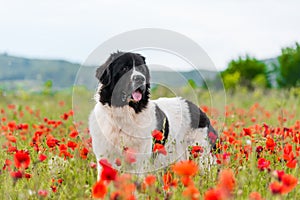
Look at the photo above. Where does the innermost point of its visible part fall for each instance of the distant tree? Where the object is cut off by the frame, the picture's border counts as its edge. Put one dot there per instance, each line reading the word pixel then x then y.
pixel 247 72
pixel 231 80
pixel 289 67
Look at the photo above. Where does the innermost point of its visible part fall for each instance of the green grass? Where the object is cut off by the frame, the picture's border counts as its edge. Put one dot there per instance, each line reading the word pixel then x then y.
pixel 244 110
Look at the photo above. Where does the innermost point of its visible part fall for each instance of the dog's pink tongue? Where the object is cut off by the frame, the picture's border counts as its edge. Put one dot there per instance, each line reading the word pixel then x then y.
pixel 137 96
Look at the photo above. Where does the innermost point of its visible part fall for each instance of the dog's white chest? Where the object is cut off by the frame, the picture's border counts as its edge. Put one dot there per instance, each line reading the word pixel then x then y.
pixel 114 130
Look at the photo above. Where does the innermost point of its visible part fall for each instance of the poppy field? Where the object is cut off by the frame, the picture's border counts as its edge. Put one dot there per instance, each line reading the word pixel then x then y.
pixel 46 155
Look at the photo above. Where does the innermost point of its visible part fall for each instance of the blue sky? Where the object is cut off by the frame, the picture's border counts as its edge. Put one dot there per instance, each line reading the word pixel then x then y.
pixel 73 29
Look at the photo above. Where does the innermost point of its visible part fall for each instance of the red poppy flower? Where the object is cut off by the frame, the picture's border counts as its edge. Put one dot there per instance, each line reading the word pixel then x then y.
pixel 263 164
pixel 270 144
pixel 66 154
pixel 191 192
pixel 169 181
pixel 63 147
pixel 118 162
pixel 61 103
pixel 288 148
pixel 291 163
pixel 11 138
pixel 27 175
pixel 196 151
pixel 160 149
pixel 223 158
pixel 108 173
pixel 275 187
pixel 12 149
pixel 185 168
pixel 225 186
pixel 22 159
pixel 150 180
pixel 278 174
pixel 7 164
pixel 157 135
pixel 52 142
pixel 129 155
pixel 93 165
pixel 73 134
pixel 53 188
pixel 125 187
pixel 43 193
pixel 16 175
pixel 12 125
pixel 213 194
pixel 60 180
pixel 226 180
pixel 205 108
pixel 42 157
pixel 83 153
pixel 11 106
pixel 186 181
pixel 23 126
pixel 213 137
pixel 247 131
pixel 289 183
pixel 65 116
pixel 115 195
pixel 72 145
pixel 259 149
pixel 255 196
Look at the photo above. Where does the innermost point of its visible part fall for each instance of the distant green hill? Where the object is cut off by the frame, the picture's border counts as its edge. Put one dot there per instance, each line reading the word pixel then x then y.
pixel 31 74
pixel 18 72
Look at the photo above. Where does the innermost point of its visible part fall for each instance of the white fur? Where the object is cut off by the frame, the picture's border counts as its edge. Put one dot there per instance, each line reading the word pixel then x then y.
pixel 113 128
pixel 135 72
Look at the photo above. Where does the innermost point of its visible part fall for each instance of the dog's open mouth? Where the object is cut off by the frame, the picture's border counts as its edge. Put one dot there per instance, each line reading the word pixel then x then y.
pixel 136 95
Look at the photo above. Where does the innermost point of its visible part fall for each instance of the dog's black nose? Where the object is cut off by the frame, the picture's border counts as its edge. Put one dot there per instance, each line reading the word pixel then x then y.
pixel 138 78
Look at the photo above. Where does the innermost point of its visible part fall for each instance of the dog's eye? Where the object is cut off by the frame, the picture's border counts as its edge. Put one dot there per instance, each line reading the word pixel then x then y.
pixel 141 68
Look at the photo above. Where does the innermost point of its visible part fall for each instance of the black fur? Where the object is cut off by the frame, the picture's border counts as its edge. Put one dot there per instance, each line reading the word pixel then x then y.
pixel 198 117
pixel 200 120
pixel 162 124
pixel 114 75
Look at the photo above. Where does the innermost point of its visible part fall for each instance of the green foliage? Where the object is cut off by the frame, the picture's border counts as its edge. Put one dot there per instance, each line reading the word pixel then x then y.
pixel 47 89
pixel 259 81
pixel 231 80
pixel 192 83
pixel 246 72
pixel 78 177
pixel 289 67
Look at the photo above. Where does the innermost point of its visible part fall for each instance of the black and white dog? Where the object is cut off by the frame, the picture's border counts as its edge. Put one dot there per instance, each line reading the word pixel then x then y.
pixel 123 119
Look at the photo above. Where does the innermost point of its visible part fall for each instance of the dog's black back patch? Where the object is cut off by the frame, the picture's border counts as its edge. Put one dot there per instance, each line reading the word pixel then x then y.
pixel 162 123
pixel 198 117
pixel 200 120
pixel 162 126
pixel 212 136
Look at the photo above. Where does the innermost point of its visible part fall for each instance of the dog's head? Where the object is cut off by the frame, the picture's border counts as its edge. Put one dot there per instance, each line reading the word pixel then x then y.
pixel 124 80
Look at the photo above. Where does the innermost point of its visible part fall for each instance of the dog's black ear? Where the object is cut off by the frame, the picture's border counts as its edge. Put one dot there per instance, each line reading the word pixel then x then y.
pixel 104 75
pixel 144 59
